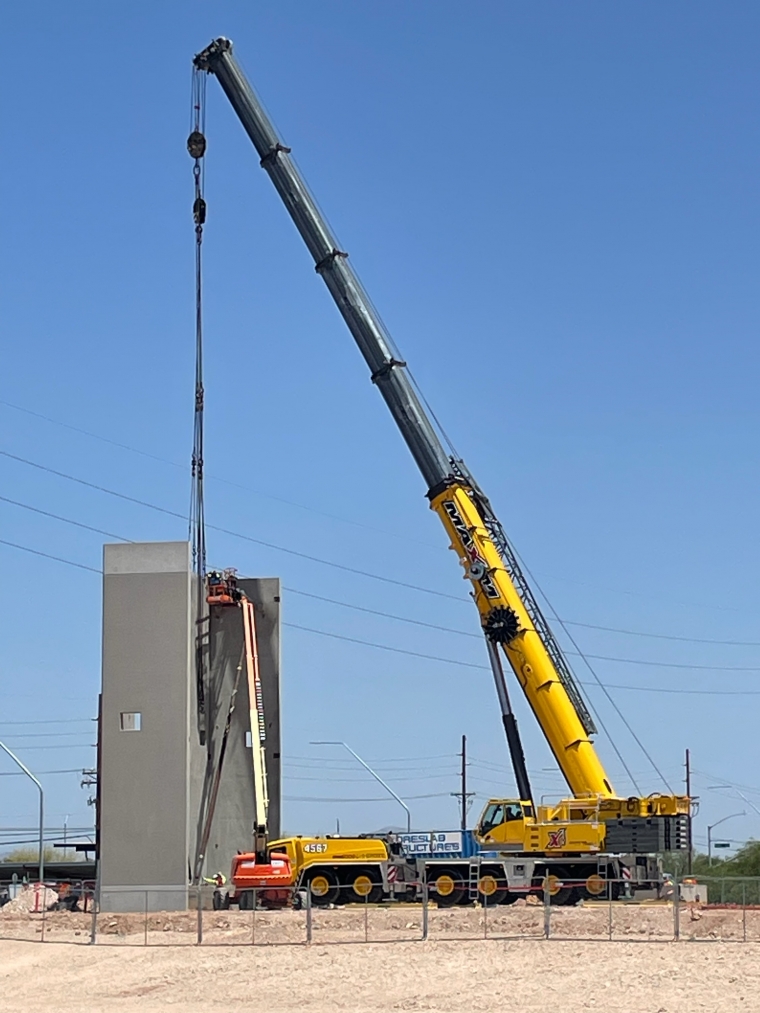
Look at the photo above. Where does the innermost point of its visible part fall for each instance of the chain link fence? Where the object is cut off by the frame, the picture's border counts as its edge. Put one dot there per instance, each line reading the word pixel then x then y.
pixel 703 909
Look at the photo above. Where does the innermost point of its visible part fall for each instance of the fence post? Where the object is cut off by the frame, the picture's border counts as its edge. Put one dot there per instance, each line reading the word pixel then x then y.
pixel 610 888
pixel 199 901
pixel 145 929
pixel 44 906
pixel 366 918
pixel 95 905
pixel 425 901
pixel 485 916
pixel 253 918
pixel 744 911
pixel 547 909
pixel 676 909
pixel 308 914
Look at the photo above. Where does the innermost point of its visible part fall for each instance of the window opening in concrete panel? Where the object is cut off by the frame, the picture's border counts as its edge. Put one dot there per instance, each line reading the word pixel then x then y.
pixel 130 721
pixel 248 740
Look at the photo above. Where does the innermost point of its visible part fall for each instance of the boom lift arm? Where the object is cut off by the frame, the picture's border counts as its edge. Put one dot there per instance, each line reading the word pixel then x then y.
pixel 510 615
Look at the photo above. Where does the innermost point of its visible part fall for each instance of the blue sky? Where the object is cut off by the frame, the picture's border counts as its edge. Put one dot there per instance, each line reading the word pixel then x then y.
pixel 555 208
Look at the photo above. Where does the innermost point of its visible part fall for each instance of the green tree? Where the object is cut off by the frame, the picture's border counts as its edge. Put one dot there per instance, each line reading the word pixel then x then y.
pixel 733 880
pixel 31 854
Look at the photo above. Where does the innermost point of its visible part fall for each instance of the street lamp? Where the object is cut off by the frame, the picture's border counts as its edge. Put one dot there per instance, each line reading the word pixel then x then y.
pixel 376 776
pixel 710 830
pixel 29 774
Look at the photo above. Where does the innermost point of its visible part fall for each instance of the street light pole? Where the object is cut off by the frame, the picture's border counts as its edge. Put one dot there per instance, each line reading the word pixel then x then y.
pixel 376 776
pixel 29 774
pixel 712 827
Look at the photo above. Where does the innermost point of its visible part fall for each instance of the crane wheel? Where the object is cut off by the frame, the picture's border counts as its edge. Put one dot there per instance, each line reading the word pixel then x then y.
pixel 448 887
pixel 323 887
pixel 596 886
pixel 559 894
pixel 492 890
pixel 245 901
pixel 362 887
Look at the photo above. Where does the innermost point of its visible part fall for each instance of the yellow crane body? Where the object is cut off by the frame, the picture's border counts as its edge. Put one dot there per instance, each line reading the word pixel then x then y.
pixel 510 615
pixel 527 656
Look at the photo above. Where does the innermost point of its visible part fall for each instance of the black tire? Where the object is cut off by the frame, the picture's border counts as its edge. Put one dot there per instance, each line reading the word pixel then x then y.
pixel 509 898
pixel 499 894
pixel 448 887
pixel 613 888
pixel 324 887
pixel 217 901
pixel 564 895
pixel 361 886
pixel 245 901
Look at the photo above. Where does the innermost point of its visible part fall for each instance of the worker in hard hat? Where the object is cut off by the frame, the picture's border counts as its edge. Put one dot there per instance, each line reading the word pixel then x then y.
pixel 219 882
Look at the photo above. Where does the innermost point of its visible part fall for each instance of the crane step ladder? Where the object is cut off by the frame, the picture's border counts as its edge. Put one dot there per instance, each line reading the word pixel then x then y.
pixel 473 880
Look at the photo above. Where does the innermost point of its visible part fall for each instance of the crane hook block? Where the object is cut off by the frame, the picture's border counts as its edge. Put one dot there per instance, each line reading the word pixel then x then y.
pixel 501 626
pixel 199 210
pixel 196 144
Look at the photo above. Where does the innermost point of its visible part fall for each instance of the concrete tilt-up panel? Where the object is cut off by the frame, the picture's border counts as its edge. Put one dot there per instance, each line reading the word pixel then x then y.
pixel 149 742
pixel 233 820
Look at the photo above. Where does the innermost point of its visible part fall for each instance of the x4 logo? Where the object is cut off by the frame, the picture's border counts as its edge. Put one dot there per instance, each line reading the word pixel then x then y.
pixel 476 560
pixel 557 838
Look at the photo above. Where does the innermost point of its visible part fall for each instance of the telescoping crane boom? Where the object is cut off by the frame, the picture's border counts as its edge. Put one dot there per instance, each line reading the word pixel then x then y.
pixel 510 615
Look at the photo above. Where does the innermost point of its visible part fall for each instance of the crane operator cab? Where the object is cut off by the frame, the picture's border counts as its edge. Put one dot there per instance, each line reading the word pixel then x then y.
pixel 503 822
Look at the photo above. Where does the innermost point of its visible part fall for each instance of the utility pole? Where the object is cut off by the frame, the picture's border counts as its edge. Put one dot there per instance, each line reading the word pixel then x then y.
pixel 690 855
pixel 463 794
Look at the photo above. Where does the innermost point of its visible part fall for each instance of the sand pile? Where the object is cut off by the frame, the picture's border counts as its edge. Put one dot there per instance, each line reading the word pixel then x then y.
pixel 30 898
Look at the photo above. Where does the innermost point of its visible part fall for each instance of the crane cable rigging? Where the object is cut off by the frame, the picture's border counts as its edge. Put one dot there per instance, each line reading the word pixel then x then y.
pixel 196 146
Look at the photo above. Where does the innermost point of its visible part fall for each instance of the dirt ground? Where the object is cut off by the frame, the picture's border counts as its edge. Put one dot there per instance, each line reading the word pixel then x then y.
pixel 471 962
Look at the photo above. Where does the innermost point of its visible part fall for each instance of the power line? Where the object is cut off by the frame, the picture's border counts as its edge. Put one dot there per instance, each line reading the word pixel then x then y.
pixel 430 657
pixel 381 798
pixel 385 647
pixel 226 531
pixel 669 664
pixel 364 573
pixel 346 520
pixel 680 692
pixel 61 745
pixel 41 773
pixel 47 555
pixel 363 780
pixel 567 622
pixel 725 780
pixel 397 535
pixel 381 760
pixel 385 615
pixel 41 735
pixel 50 721
pixel 468 664
pixel 66 520
pixel 664 636
pixel 216 478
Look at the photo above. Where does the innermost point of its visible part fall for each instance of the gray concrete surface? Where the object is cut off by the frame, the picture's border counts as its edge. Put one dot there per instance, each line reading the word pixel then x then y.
pixel 234 816
pixel 153 776
pixel 148 799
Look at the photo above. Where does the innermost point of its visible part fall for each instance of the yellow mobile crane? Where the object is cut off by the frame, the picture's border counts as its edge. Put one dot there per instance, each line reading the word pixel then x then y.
pixel 595 818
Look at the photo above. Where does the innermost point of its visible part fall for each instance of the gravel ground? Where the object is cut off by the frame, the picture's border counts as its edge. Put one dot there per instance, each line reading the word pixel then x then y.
pixel 453 972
